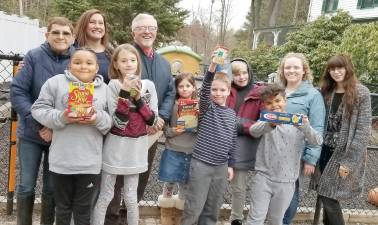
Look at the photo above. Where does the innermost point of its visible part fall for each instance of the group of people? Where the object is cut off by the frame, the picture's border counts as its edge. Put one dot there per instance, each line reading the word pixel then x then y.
pixel 88 161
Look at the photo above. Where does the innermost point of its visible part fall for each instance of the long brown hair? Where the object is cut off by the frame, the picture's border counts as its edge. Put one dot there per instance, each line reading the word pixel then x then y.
pixel 115 73
pixel 306 67
pixel 192 81
pixel 328 85
pixel 81 27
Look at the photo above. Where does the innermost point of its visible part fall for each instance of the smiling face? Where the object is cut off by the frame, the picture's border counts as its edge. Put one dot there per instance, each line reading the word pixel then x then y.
pixel 275 103
pixel 95 29
pixel 219 92
pixel 240 75
pixel 338 74
pixel 83 65
pixel 293 70
pixel 59 38
pixel 126 63
pixel 185 89
pixel 144 32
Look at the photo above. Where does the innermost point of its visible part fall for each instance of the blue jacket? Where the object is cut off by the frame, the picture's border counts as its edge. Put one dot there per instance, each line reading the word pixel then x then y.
pixel 158 70
pixel 309 101
pixel 40 64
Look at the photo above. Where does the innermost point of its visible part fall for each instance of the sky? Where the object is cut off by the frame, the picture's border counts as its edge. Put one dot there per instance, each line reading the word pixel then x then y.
pixel 239 9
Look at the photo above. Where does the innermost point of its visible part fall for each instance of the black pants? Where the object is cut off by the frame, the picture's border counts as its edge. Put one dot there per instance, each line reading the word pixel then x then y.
pixel 113 212
pixel 73 194
pixel 332 214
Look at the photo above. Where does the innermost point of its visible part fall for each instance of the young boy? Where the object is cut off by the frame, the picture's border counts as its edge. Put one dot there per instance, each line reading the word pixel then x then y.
pixel 277 160
pixel 212 158
pixel 76 149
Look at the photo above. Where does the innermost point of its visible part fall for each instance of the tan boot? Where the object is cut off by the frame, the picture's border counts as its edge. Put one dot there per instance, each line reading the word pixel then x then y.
pixel 167 210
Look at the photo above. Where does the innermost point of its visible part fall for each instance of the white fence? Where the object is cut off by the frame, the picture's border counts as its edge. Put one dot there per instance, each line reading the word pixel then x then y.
pixel 17 36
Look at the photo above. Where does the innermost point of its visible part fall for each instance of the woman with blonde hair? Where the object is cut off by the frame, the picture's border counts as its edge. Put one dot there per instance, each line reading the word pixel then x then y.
pixel 295 75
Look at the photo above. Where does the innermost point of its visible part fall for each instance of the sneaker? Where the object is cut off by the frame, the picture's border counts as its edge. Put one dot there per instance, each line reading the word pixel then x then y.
pixel 236 222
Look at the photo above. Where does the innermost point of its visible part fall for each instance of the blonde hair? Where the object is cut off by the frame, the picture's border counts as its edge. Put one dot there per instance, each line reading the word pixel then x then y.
pixel 116 73
pixel 237 66
pixel 306 67
pixel 222 77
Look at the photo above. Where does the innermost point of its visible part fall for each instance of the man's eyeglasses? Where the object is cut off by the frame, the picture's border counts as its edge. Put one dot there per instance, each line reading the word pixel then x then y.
pixel 57 33
pixel 145 28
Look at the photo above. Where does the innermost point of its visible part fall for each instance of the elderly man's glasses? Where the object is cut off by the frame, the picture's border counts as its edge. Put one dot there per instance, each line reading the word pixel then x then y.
pixel 57 33
pixel 145 28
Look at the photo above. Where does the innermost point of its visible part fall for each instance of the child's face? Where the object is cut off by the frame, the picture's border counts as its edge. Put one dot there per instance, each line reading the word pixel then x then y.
pixel 275 103
pixel 185 89
pixel 338 74
pixel 241 78
pixel 84 66
pixel 219 92
pixel 293 70
pixel 126 63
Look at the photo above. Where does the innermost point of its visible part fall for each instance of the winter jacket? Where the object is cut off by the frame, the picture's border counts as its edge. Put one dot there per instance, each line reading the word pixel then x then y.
pixel 350 152
pixel 126 145
pixel 158 71
pixel 249 113
pixel 75 148
pixel 39 65
pixel 308 101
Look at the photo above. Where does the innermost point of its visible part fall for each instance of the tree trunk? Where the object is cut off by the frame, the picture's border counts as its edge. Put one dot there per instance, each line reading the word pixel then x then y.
pixel 257 14
pixel 295 12
pixel 221 34
pixel 273 12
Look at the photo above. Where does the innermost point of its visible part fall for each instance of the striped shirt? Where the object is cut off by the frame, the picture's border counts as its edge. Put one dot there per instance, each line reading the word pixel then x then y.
pixel 216 138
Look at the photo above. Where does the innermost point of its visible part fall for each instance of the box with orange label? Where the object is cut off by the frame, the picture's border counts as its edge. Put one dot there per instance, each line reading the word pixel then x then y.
pixel 281 118
pixel 80 99
pixel 187 114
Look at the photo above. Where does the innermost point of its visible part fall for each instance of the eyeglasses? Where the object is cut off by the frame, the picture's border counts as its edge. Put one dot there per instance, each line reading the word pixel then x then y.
pixel 57 33
pixel 145 28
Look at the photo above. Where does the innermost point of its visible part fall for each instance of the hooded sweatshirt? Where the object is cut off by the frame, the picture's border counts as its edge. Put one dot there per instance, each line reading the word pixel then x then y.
pixel 39 65
pixel 75 148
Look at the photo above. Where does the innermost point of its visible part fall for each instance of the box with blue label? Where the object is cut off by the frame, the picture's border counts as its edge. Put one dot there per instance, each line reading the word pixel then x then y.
pixel 281 118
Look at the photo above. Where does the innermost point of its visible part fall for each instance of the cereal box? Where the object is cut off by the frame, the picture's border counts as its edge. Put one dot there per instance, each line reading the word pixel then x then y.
pixel 80 99
pixel 281 118
pixel 187 113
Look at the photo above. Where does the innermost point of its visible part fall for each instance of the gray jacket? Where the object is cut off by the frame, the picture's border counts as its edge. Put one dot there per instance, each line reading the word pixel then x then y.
pixel 279 152
pixel 350 152
pixel 75 148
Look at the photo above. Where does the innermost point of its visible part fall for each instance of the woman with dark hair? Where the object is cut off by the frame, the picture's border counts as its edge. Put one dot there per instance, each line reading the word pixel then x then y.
pixel 92 31
pixel 348 125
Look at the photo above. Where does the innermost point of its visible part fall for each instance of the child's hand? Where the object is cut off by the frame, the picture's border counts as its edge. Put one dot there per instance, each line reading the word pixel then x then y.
pixel 179 130
pixel 305 120
pixel 91 118
pixel 308 169
pixel 70 119
pixel 46 134
pixel 230 172
pixel 137 89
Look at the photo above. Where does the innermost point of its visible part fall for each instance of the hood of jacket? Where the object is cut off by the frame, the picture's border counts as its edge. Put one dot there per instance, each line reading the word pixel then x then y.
pixel 304 89
pixel 97 81
pixel 249 70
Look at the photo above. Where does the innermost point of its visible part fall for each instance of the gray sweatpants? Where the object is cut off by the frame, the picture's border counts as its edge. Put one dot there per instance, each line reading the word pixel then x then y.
pixel 269 199
pixel 238 187
pixel 204 197
pixel 107 193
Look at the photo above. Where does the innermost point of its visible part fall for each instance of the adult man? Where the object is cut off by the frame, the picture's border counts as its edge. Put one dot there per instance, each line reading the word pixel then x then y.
pixel 40 64
pixel 157 69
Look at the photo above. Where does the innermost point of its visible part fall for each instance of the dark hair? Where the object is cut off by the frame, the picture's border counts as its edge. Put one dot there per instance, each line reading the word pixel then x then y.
pixel 62 21
pixel 84 49
pixel 115 73
pixel 272 90
pixel 190 78
pixel 328 85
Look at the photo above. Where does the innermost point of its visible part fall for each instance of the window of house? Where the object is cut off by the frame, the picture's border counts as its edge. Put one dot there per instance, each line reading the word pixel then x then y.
pixel 330 6
pixel 362 4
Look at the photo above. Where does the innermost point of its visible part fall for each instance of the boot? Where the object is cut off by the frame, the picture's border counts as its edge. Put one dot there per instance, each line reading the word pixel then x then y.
pixel 167 210
pixel 47 210
pixel 179 205
pixel 25 210
pixel 236 222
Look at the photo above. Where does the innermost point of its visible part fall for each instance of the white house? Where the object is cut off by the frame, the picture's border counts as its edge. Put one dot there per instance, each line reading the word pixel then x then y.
pixel 360 10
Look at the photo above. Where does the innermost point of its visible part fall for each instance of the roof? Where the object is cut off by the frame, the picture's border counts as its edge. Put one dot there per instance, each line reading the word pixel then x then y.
pixel 179 49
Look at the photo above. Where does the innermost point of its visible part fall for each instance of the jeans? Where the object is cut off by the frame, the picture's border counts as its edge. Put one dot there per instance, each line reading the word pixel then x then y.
pixel 292 210
pixel 30 155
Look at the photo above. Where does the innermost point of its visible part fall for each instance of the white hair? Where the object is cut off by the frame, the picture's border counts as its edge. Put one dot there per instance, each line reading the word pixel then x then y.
pixel 139 17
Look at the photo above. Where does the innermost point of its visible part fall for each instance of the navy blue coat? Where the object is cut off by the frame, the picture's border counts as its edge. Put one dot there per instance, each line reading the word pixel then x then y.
pixel 40 64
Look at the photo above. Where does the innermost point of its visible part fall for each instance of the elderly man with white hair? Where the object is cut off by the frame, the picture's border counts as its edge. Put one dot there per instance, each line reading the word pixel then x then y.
pixel 157 69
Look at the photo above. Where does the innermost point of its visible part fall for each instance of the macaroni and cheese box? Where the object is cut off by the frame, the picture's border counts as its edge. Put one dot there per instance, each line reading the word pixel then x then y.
pixel 80 99
pixel 281 118
pixel 220 55
pixel 187 114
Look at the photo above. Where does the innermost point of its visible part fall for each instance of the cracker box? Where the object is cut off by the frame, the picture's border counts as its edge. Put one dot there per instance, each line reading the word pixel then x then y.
pixel 281 118
pixel 187 113
pixel 80 99
pixel 220 55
